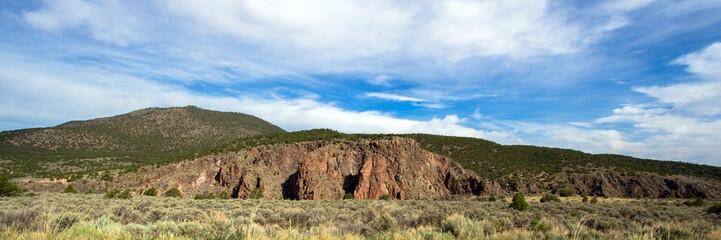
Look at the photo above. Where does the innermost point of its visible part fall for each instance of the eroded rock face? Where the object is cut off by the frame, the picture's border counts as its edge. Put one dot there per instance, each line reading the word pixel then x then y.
pixel 369 169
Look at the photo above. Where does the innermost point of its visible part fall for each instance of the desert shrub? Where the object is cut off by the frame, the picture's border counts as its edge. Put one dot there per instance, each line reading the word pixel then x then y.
pixel 492 198
pixel 383 222
pixel 112 194
pixel 125 195
pixel 223 195
pixel 64 221
pixel 594 200
pixel 106 177
pixel 462 227
pixel 89 191
pixel 695 203
pixel 164 228
pixel 385 197
pixel 173 192
pixel 151 192
pixel 136 229
pixel 7 188
pixel 348 196
pixel 716 208
pixel 566 193
pixel 205 195
pixel 70 189
pixel 550 197
pixel 256 194
pixel 31 194
pixel 189 228
pixel 537 226
pixel 209 195
pixel 584 197
pixel 519 202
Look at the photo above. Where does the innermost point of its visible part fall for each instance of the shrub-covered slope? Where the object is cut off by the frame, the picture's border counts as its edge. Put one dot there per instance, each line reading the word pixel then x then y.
pixel 138 137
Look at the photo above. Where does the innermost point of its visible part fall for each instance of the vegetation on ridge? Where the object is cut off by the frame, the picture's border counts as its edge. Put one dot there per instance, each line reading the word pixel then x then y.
pixel 491 160
pixel 139 137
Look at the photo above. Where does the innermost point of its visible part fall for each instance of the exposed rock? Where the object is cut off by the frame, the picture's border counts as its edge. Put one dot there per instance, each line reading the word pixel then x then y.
pixel 370 169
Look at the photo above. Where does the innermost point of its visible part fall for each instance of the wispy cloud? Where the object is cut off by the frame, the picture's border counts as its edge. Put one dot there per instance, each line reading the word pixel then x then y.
pixel 531 72
pixel 382 80
pixel 394 97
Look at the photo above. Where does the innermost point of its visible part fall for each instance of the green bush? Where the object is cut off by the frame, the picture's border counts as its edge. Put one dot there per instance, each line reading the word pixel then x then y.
pixel 89 191
pixel 348 196
pixel 173 192
pixel 112 194
pixel 106 177
pixel 70 189
pixel 550 197
pixel 385 197
pixel 566 193
pixel 716 208
pixel 585 198
pixel 223 195
pixel 7 188
pixel 125 195
pixel 519 202
pixel 151 192
pixel 594 200
pixel 492 198
pixel 256 194
pixel 695 203
pixel 198 196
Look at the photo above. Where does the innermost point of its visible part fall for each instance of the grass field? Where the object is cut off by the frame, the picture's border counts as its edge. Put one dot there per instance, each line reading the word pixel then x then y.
pixel 91 216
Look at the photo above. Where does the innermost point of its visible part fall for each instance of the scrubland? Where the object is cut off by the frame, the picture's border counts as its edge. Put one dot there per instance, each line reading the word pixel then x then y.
pixel 92 216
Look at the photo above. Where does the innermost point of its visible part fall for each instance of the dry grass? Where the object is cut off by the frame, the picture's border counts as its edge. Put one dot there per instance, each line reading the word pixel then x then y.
pixel 73 216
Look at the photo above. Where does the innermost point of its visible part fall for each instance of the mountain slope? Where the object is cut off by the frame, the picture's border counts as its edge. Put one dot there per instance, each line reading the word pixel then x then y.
pixel 324 164
pixel 137 137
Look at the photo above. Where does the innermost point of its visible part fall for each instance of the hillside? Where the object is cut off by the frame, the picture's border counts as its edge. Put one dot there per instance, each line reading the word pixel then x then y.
pixel 137 137
pixel 324 164
pixel 199 150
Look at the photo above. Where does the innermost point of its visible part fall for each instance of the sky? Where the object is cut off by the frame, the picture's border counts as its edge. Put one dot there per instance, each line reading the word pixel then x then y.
pixel 633 77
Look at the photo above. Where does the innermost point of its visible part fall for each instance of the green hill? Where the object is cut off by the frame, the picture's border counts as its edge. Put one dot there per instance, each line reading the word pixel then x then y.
pixel 138 137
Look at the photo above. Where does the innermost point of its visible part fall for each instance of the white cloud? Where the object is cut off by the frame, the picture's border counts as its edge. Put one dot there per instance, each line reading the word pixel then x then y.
pixel 328 34
pixel 62 92
pixel 462 29
pixel 381 80
pixel 108 21
pixel 684 122
pixel 702 98
pixel 394 97
pixel 477 114
pixel 430 105
pixel 622 6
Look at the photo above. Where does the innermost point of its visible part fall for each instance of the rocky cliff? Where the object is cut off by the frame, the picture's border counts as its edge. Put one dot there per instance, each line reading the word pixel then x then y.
pixel 369 169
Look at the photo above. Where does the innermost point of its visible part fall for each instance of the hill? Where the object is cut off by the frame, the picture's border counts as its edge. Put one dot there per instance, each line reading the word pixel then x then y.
pixel 324 164
pixel 138 137
pixel 198 150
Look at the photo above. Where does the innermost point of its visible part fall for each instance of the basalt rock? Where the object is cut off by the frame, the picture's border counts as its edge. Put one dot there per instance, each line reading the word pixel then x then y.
pixel 369 169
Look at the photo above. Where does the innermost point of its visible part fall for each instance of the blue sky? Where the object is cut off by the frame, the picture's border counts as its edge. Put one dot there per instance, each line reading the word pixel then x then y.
pixel 633 77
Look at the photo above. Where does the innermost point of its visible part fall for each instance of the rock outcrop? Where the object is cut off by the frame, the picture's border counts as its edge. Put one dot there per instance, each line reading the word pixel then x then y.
pixel 369 169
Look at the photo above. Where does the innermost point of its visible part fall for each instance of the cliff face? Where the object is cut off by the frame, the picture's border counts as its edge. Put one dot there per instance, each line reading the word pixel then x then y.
pixel 370 169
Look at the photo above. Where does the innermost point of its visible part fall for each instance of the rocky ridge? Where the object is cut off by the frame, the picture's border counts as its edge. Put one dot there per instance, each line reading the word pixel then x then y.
pixel 394 166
